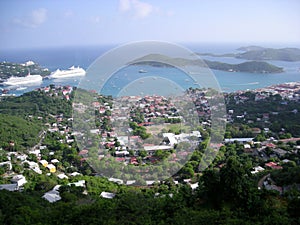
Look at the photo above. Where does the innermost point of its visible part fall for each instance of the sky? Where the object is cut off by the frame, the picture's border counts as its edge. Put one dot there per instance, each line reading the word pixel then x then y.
pixel 54 23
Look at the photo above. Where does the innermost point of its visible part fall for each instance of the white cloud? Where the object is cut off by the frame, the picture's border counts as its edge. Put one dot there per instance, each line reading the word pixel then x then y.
pixel 138 8
pixel 34 19
pixel 124 5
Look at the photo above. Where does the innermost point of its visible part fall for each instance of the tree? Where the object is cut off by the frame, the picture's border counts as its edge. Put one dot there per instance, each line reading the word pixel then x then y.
pixel 212 187
pixel 143 153
pixel 236 183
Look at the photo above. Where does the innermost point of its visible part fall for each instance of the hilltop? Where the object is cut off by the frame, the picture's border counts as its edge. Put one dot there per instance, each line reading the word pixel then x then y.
pixel 250 67
pixel 261 53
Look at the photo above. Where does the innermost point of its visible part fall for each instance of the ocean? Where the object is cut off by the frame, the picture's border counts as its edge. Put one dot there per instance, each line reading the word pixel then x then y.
pixel 66 57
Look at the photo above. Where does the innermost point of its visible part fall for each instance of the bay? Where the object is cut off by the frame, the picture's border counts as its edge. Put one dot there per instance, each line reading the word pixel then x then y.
pixel 63 58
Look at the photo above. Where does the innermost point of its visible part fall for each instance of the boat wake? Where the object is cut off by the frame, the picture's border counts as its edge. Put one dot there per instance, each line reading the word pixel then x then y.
pixel 251 83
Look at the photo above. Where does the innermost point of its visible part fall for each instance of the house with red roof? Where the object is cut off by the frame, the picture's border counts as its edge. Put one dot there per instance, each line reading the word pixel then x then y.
pixel 273 165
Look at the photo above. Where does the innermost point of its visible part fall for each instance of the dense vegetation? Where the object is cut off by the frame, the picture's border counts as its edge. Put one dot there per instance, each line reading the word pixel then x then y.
pixel 284 54
pixel 260 53
pixel 250 67
pixel 35 103
pixel 282 114
pixel 17 133
pixel 227 192
pixel 227 196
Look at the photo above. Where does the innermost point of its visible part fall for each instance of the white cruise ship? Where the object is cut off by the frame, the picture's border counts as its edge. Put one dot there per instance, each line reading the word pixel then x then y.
pixel 71 72
pixel 27 80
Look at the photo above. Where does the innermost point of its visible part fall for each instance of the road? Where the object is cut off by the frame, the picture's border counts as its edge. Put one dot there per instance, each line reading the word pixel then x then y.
pixel 261 181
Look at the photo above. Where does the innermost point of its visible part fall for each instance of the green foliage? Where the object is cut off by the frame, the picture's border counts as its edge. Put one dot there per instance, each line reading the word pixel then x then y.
pixel 139 130
pixel 250 67
pixel 35 103
pixel 285 54
pixel 287 176
pixel 23 133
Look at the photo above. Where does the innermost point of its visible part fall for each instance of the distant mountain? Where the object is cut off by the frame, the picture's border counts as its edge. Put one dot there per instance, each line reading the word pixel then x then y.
pixel 259 53
pixel 250 67
pixel 251 48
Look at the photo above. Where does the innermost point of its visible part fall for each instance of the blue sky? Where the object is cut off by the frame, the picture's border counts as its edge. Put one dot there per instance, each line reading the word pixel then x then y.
pixel 50 23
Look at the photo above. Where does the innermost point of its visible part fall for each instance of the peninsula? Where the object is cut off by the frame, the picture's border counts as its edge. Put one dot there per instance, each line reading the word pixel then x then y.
pixel 249 67
pixel 261 53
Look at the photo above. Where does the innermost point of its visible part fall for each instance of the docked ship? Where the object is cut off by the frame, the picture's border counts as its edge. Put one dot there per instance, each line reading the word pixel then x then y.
pixel 21 81
pixel 71 72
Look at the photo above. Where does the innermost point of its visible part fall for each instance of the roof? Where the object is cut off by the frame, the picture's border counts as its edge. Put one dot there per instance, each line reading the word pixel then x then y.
pixel 52 196
pixel 43 161
pixel 227 140
pixel 62 176
pixel 17 178
pixel 119 181
pixel 129 182
pixel 273 165
pixel 194 186
pixel 75 174
pixel 122 152
pixel 50 166
pixel 157 147
pixel 83 152
pixel 54 160
pixel 108 195
pixel 9 187
pixel 171 138
pixel 80 183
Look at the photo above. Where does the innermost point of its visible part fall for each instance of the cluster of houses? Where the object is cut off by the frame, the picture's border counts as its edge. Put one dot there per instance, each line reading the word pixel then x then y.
pixel 65 91
pixel 120 138
pixel 272 156
pixel 290 91
pixel 122 141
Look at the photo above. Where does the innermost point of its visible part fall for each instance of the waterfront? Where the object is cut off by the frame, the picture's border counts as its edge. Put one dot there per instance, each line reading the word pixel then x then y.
pixel 63 58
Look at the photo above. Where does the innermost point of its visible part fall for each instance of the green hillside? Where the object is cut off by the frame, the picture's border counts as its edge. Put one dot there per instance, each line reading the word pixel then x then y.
pixel 284 54
pixel 23 133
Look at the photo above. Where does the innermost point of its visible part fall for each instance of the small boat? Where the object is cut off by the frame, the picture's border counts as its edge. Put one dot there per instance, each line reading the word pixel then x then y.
pixel 142 71
pixel 21 88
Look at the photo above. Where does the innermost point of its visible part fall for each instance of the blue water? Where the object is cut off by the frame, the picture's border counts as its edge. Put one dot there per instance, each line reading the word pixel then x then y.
pixel 63 58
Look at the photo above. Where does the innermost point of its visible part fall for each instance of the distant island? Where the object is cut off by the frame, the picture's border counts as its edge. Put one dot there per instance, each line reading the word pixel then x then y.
pixel 249 67
pixel 261 53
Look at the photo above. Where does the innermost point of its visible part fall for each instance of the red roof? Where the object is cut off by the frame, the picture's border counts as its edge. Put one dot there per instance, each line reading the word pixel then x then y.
pixel 119 159
pixel 273 165
pixel 271 145
pixel 83 152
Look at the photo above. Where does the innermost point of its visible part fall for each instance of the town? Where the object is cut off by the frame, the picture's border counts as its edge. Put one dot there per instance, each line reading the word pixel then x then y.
pixel 143 132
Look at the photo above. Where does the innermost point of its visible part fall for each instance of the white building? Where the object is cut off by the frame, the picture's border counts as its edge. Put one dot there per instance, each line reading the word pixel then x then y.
pixel 108 195
pixel 116 180
pixel 53 195
pixel 20 180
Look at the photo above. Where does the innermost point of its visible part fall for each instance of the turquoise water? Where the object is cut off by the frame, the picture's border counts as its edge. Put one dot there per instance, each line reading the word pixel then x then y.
pixel 229 81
